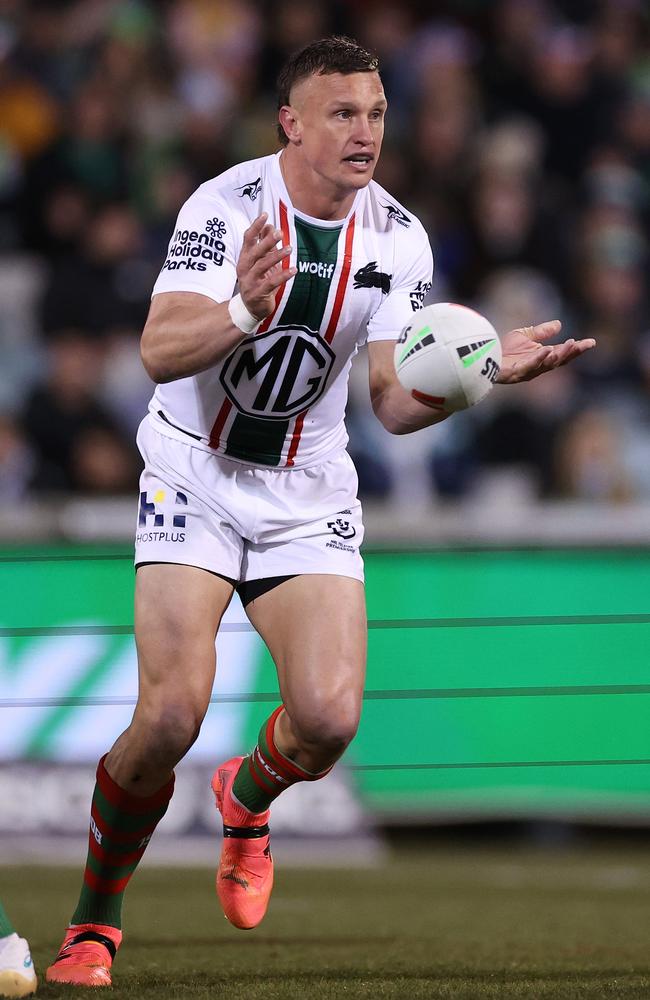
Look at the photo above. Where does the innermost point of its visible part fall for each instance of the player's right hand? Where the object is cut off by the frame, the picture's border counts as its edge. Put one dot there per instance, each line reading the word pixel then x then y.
pixel 259 268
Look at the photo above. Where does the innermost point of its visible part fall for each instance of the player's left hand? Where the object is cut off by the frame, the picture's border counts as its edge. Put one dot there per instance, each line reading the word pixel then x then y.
pixel 525 355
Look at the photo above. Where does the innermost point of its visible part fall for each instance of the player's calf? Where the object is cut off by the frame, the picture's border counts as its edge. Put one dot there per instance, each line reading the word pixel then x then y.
pixel 121 826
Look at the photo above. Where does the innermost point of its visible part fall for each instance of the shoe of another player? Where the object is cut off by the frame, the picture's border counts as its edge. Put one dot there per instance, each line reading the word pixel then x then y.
pixel 17 973
pixel 245 872
pixel 86 956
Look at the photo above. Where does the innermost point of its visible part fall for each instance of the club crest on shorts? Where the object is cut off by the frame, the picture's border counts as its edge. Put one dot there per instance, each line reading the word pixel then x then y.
pixel 342 528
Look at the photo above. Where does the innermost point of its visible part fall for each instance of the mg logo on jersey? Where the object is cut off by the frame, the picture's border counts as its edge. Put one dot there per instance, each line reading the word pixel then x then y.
pixel 278 374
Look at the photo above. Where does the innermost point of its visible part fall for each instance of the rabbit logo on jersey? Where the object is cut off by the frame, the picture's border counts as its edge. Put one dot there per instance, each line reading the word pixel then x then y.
pixel 190 250
pixel 277 375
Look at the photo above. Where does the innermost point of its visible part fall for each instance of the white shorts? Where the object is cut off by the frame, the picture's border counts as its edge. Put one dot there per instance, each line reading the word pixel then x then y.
pixel 241 521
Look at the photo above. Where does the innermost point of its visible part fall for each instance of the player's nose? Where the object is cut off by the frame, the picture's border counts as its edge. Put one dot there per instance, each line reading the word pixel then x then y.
pixel 363 133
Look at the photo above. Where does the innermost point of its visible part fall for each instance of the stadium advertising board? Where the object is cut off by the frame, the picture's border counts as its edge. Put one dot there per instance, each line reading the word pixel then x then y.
pixel 500 684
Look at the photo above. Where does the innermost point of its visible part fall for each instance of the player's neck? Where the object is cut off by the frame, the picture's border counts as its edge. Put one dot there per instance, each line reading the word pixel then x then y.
pixel 310 193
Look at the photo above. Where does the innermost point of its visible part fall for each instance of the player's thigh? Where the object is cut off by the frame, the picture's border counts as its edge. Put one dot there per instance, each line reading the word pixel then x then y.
pixel 178 609
pixel 316 631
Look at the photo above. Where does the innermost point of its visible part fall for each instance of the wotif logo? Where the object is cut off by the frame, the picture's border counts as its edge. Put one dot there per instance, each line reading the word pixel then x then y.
pixel 318 268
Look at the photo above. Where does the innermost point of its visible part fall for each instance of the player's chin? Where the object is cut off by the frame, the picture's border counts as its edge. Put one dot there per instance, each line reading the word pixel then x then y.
pixel 357 174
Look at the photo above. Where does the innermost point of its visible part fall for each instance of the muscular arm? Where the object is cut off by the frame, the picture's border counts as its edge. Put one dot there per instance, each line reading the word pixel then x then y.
pixel 187 332
pixel 393 405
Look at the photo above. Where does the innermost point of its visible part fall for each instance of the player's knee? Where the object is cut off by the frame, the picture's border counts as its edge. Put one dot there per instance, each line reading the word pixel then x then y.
pixel 171 731
pixel 329 727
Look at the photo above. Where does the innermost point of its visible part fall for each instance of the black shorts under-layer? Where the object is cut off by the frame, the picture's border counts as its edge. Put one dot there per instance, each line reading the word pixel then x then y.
pixel 248 590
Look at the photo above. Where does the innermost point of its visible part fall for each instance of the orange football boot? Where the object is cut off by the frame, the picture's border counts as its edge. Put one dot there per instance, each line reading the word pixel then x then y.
pixel 86 956
pixel 245 872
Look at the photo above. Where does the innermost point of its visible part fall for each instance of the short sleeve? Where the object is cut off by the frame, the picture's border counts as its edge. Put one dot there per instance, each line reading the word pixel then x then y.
pixel 408 289
pixel 202 254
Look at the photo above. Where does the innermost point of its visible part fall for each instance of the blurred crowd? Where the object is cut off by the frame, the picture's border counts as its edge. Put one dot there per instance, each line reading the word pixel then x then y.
pixel 518 131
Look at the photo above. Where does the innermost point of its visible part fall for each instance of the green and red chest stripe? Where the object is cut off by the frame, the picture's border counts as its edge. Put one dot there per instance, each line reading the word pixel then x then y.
pixel 262 440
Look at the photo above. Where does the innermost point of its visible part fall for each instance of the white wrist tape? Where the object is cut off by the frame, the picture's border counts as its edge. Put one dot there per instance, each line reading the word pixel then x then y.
pixel 240 315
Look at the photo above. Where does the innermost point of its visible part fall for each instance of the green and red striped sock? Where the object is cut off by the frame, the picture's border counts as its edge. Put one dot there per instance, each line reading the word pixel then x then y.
pixel 266 772
pixel 6 926
pixel 121 826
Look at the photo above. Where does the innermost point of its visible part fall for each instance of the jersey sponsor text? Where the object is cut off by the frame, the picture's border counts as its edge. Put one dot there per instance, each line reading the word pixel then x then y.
pixel 317 268
pixel 194 251
pixel 277 375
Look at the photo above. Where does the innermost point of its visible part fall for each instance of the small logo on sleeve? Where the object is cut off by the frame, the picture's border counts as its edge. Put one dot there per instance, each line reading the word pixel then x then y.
pixel 397 215
pixel 251 189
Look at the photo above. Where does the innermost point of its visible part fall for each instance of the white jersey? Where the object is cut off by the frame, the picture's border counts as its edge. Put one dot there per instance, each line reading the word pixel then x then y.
pixel 279 398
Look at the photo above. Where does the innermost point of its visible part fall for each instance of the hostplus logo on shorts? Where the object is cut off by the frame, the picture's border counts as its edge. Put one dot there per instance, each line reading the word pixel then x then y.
pixel 193 251
pixel 150 516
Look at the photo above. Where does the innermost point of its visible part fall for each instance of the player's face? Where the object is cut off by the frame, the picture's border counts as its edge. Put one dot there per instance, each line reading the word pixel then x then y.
pixel 339 121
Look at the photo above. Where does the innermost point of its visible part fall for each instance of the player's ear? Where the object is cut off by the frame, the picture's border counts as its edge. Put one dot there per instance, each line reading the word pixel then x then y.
pixel 288 118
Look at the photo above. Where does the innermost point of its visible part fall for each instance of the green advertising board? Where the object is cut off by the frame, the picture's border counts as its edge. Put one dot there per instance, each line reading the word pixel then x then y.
pixel 500 683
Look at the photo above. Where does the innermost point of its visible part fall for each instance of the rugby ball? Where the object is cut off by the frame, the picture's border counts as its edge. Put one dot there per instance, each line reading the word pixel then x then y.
pixel 448 356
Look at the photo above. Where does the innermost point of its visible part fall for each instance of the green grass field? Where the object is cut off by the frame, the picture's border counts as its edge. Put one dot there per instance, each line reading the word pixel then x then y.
pixel 439 923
